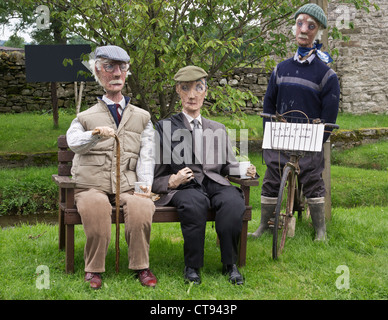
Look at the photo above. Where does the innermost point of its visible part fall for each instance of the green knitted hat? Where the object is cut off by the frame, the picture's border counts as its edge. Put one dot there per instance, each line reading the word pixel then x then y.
pixel 315 11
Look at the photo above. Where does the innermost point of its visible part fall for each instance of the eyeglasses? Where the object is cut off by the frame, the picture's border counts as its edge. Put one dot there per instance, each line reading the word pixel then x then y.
pixel 198 87
pixel 109 67
pixel 310 25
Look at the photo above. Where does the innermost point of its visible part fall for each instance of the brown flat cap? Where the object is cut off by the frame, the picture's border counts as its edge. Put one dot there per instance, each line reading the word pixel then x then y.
pixel 190 73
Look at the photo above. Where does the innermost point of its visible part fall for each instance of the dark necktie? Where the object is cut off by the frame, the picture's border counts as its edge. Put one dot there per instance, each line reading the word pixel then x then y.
pixel 196 124
pixel 118 112
pixel 197 139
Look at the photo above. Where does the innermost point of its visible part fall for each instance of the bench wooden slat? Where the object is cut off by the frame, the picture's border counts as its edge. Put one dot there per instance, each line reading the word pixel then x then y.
pixel 64 169
pixel 65 156
pixel 62 142
pixel 162 214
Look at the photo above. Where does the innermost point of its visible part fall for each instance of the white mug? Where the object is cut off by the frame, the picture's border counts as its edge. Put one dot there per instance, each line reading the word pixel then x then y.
pixel 244 165
pixel 138 185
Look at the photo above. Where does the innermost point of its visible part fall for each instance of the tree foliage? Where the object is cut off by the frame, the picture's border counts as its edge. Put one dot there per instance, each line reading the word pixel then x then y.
pixel 162 36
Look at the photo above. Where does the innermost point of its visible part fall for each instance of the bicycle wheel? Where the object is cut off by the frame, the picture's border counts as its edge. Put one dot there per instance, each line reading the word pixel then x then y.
pixel 283 210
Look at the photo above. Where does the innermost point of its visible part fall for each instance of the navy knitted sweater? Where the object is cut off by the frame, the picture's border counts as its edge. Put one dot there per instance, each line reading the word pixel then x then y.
pixel 309 87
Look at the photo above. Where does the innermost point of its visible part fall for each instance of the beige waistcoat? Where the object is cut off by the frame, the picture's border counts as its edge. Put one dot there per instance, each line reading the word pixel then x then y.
pixel 97 168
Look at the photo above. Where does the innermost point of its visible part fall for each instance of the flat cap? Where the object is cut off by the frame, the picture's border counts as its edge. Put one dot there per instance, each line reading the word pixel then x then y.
pixel 112 52
pixel 190 73
pixel 315 11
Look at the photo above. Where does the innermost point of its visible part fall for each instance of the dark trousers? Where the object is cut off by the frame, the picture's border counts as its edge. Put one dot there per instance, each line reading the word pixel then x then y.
pixel 193 204
pixel 311 168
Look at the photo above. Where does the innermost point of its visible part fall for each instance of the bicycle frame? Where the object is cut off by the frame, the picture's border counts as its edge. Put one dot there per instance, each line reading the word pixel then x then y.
pixel 289 185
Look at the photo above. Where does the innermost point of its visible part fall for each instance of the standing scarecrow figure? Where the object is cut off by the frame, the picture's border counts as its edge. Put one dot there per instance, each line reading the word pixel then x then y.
pixel 304 83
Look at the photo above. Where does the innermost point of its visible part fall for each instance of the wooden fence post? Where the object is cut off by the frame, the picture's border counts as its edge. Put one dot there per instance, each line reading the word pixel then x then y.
pixel 326 146
pixel 326 175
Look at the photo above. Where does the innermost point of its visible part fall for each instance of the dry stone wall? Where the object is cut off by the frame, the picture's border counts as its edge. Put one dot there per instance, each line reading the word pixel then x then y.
pixel 362 62
pixel 16 95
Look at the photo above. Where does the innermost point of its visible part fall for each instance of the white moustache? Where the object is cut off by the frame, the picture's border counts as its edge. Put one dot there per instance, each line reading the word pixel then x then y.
pixel 303 36
pixel 115 82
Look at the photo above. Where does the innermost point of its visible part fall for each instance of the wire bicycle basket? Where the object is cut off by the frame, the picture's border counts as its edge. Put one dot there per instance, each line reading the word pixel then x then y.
pixel 293 135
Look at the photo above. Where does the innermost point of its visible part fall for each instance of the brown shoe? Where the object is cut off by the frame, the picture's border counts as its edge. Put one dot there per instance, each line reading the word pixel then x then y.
pixel 94 279
pixel 147 278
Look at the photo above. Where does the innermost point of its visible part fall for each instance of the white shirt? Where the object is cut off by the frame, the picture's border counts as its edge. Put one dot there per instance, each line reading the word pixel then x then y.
pixel 190 120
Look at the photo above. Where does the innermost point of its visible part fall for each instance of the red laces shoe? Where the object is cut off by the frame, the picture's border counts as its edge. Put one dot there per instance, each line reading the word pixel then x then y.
pixel 94 279
pixel 147 278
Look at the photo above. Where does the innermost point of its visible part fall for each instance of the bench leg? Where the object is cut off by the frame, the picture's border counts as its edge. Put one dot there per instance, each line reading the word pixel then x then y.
pixel 69 248
pixel 61 230
pixel 243 245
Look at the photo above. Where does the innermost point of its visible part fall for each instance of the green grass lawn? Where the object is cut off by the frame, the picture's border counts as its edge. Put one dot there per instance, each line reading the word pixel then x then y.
pixel 306 270
pixel 357 235
pixel 30 133
pixel 368 156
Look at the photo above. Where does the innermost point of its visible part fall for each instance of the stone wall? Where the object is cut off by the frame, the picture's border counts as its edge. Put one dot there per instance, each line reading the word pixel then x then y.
pixel 16 95
pixel 360 68
pixel 252 79
pixel 361 64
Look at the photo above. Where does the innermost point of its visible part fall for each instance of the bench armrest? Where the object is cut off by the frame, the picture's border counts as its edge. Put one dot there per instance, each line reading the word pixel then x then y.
pixel 63 181
pixel 244 182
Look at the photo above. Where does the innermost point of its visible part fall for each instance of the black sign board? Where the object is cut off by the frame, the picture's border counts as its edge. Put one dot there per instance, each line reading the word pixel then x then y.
pixel 44 63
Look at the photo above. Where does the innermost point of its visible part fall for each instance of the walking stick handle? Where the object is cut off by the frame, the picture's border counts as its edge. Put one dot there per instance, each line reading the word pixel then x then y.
pixel 95 131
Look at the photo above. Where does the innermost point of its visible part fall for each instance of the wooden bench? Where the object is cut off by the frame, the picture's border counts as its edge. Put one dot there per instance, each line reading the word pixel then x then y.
pixel 69 217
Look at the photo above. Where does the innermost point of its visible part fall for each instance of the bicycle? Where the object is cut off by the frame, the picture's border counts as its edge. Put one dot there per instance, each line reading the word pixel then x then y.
pixel 296 137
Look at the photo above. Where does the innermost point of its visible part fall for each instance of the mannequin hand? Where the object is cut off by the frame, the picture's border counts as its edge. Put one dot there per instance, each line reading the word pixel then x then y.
pixel 105 132
pixel 251 171
pixel 182 177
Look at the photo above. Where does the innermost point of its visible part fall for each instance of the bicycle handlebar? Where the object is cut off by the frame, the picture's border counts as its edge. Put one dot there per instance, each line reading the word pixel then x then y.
pixel 280 117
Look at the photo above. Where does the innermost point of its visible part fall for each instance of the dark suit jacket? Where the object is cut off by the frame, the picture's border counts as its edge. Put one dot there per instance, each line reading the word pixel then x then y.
pixel 218 160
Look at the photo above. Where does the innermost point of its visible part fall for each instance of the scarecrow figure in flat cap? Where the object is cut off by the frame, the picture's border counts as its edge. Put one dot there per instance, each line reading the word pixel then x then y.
pixel 192 177
pixel 304 83
pixel 94 167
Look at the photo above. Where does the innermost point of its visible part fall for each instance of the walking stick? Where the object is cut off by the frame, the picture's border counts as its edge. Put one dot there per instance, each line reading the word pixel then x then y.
pixel 117 202
pixel 117 199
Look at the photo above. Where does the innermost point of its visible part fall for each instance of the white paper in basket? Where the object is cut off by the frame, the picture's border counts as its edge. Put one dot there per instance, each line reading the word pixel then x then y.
pixel 293 136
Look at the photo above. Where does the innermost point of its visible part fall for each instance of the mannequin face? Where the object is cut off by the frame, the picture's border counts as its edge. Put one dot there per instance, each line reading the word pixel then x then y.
pixel 112 76
pixel 192 95
pixel 306 30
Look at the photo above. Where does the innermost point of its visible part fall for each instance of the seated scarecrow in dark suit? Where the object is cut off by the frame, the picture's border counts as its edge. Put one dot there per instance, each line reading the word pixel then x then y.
pixel 195 158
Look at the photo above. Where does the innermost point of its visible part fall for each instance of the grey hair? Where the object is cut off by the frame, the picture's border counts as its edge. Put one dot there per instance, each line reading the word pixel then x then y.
pixel 96 64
